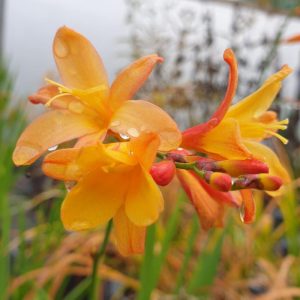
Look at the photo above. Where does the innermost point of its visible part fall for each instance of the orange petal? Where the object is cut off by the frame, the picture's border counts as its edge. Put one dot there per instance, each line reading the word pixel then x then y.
pixel 258 102
pixel 144 200
pixel 91 139
pixel 131 79
pixel 50 129
pixel 94 200
pixel 210 211
pixel 78 62
pixel 49 95
pixel 248 215
pixel 192 135
pixel 135 117
pixel 224 140
pixel 130 239
pixel 265 154
pixel 44 94
pixel 72 164
pixel 230 58
pixel 145 148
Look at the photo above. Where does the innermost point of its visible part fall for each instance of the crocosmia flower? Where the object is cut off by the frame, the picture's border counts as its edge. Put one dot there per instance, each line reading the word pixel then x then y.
pixel 235 132
pixel 85 107
pixel 111 181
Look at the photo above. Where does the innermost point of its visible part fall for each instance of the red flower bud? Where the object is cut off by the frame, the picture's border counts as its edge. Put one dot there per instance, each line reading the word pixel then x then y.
pixel 261 182
pixel 234 167
pixel 239 167
pixel 163 172
pixel 219 181
pixel 270 183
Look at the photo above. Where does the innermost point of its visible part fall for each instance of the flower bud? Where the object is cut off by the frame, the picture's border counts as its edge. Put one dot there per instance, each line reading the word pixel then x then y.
pixel 270 183
pixel 235 167
pixel 219 181
pixel 163 172
pixel 261 182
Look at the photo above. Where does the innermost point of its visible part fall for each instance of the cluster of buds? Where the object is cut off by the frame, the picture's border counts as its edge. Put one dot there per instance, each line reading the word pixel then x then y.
pixel 224 175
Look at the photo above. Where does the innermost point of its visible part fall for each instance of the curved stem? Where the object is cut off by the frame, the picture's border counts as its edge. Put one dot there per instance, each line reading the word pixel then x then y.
pixel 94 277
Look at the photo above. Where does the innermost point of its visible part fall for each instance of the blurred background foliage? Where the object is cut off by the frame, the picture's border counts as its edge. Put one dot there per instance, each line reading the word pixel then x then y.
pixel 39 260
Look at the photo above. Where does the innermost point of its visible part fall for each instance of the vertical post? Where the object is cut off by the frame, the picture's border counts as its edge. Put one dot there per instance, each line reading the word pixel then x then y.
pixel 1 26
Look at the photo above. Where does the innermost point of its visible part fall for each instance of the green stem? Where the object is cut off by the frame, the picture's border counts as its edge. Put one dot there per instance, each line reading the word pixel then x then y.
pixel 94 277
pixel 160 155
pixel 190 166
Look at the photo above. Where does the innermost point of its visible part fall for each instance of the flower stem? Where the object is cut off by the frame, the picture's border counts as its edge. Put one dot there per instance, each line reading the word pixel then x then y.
pixel 94 277
pixel 190 166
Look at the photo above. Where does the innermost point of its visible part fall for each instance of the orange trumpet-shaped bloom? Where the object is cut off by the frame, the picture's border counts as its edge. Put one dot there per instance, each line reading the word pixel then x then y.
pixel 85 107
pixel 112 181
pixel 235 132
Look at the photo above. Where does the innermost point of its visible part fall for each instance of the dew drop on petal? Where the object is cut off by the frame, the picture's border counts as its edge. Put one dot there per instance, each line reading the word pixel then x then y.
pixel 242 212
pixel 124 136
pixel 53 148
pixel 61 48
pixel 133 132
pixel 69 185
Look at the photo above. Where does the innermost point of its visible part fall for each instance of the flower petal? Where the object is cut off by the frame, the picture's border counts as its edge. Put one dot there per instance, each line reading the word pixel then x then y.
pixel 50 129
pixel 144 200
pixel 131 79
pixel 91 139
pixel 72 164
pixel 190 135
pixel 130 239
pixel 258 102
pixel 224 140
pixel 249 206
pixel 94 200
pixel 49 96
pixel 209 210
pixel 144 149
pixel 265 154
pixel 230 58
pixel 78 62
pixel 136 117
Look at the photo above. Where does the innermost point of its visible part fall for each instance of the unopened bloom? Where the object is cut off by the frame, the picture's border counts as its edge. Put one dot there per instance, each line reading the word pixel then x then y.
pixel 163 172
pixel 235 132
pixel 85 107
pixel 112 181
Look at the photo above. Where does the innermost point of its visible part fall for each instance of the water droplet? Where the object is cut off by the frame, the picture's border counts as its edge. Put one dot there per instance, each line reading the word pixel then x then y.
pixel 61 48
pixel 115 123
pixel 133 132
pixel 80 225
pixel 53 148
pixel 124 136
pixel 242 212
pixel 69 185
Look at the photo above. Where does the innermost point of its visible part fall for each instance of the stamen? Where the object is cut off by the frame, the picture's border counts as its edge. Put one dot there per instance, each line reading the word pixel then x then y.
pixel 77 92
pixel 280 137
pixel 49 102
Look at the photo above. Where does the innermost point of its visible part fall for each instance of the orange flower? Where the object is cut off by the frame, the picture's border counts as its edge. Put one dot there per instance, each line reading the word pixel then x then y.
pixel 112 181
pixel 236 132
pixel 85 107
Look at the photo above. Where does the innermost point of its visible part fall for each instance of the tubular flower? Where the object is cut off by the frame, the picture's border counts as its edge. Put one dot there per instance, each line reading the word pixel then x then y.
pixel 85 108
pixel 112 181
pixel 235 132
